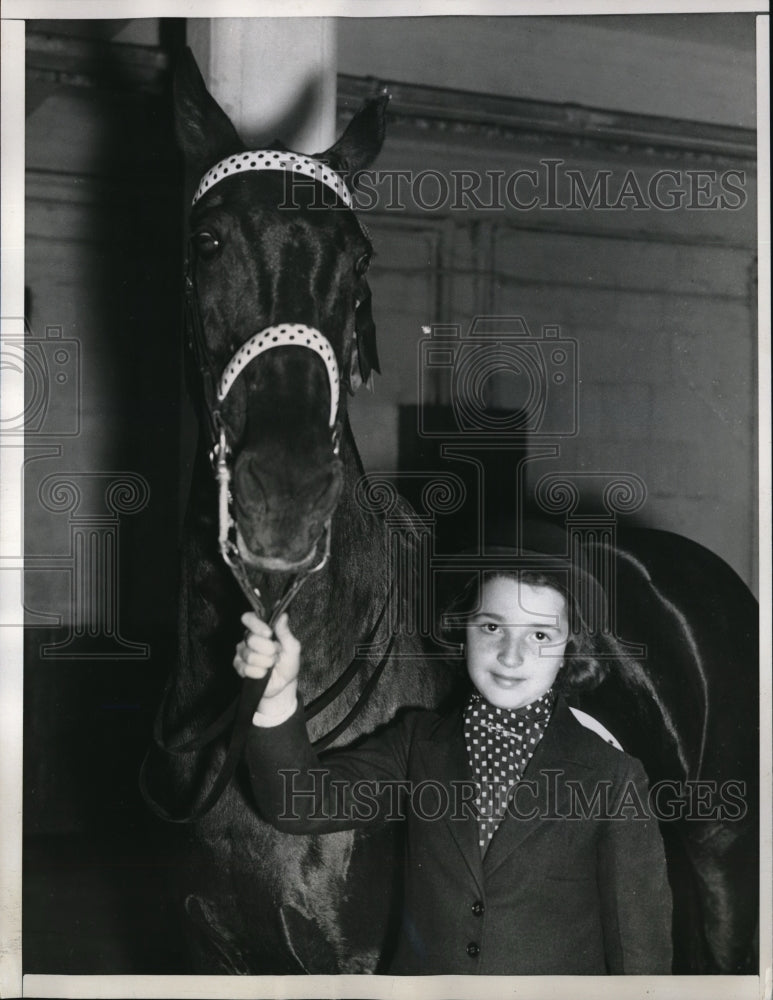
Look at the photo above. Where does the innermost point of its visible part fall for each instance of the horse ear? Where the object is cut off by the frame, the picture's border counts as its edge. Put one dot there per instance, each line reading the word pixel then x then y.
pixel 204 131
pixel 361 142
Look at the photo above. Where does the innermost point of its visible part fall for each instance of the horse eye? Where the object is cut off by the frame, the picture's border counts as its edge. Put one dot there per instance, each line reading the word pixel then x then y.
pixel 207 244
pixel 362 265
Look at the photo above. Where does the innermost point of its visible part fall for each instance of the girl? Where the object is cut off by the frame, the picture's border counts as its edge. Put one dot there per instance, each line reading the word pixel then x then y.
pixel 530 849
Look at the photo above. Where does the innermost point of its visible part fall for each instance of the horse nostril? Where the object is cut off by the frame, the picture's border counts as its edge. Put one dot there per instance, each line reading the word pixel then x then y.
pixel 249 475
pixel 329 491
pixel 254 469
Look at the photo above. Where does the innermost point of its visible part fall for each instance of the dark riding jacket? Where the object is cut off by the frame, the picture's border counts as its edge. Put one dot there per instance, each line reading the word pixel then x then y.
pixel 572 883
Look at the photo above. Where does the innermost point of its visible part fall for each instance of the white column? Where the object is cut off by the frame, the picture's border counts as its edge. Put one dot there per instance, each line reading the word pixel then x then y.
pixel 274 77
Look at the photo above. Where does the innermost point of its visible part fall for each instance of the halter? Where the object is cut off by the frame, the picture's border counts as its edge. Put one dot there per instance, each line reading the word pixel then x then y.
pixel 280 335
pixel 295 335
pixel 284 335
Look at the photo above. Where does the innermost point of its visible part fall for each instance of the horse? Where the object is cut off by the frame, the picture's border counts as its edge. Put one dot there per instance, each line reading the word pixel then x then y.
pixel 688 707
pixel 282 334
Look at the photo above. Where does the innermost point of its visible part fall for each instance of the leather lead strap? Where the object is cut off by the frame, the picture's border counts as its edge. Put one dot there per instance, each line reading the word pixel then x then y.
pixel 343 725
pixel 249 698
pixel 240 713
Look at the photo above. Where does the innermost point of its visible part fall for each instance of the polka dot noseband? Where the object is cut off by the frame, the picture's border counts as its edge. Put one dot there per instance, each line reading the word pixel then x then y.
pixel 283 335
pixel 269 159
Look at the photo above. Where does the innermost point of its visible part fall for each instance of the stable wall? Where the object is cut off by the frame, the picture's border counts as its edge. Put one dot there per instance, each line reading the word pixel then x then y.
pixel 692 66
pixel 661 303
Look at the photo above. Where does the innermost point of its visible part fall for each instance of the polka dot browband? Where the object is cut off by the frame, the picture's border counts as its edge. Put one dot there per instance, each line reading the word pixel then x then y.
pixel 269 159
pixel 284 335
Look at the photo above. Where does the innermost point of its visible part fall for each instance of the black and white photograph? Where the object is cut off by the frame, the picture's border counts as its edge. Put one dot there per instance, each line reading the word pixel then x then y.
pixel 385 542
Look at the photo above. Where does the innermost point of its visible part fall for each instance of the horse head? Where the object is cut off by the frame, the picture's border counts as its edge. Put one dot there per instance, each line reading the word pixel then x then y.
pixel 279 306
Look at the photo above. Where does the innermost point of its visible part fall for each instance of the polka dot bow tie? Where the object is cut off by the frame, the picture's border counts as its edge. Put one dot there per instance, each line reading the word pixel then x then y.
pixel 500 743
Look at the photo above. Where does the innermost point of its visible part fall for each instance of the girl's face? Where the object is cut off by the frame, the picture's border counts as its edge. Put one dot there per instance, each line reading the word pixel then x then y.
pixel 516 641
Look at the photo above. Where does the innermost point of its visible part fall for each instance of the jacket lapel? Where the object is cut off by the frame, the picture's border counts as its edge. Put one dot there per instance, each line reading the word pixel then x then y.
pixel 444 759
pixel 554 753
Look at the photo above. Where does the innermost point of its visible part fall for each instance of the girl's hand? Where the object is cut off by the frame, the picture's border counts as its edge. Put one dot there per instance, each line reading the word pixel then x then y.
pixel 259 652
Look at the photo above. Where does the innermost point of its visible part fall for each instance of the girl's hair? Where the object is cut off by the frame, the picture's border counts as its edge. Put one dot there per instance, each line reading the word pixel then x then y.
pixel 582 669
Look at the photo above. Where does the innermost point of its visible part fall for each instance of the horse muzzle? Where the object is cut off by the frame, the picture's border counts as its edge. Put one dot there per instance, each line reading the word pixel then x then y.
pixel 282 511
pixel 279 564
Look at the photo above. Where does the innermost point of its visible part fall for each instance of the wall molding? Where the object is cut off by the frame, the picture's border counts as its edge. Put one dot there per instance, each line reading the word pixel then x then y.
pixel 461 114
pixel 56 60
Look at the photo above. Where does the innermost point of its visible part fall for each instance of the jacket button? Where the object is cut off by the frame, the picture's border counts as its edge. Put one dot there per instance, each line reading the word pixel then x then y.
pixel 478 908
pixel 473 950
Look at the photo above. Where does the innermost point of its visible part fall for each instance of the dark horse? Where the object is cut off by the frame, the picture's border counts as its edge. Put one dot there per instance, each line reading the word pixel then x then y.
pixel 274 255
pixel 688 708
pixel 282 255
